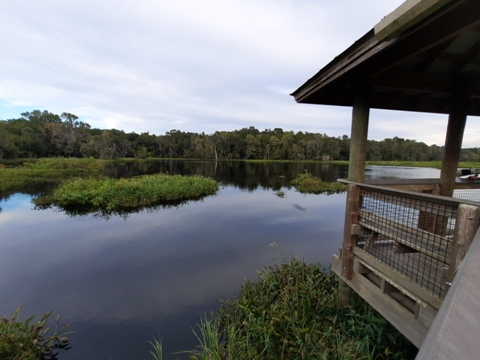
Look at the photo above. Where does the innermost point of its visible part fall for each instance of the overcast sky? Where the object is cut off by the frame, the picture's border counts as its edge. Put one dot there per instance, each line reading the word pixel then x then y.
pixel 191 65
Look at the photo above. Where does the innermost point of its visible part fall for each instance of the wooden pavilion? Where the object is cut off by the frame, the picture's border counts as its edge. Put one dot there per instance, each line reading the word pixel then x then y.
pixel 404 241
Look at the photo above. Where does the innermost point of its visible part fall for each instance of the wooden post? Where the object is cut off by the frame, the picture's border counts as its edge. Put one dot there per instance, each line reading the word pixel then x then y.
pixel 356 172
pixel 359 134
pixel 349 240
pixel 466 226
pixel 349 236
pixel 455 129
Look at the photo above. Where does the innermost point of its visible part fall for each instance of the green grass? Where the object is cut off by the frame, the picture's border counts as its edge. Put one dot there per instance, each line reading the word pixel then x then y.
pixel 291 311
pixel 45 173
pixel 30 340
pixel 308 184
pixel 107 195
pixel 157 352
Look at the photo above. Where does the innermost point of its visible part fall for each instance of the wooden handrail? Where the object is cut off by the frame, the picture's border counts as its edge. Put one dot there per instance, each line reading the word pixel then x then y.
pixel 448 247
pixel 435 199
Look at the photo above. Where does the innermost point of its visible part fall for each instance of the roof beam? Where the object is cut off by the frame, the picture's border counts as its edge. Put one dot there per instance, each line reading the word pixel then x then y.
pixel 418 82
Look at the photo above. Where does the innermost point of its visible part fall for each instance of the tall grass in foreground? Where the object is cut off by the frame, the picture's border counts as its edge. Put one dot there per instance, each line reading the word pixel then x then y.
pixel 30 340
pixel 292 312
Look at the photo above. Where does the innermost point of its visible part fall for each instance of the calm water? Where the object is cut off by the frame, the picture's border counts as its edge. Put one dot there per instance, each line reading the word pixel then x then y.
pixel 119 281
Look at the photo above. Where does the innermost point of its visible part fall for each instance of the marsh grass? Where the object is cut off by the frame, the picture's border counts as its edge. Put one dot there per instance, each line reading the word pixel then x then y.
pixel 306 183
pixel 109 195
pixel 45 173
pixel 157 351
pixel 291 311
pixel 30 340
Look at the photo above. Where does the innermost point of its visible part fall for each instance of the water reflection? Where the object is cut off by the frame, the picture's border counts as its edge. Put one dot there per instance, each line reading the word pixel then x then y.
pixel 120 281
pixel 400 172
pixel 155 266
pixel 245 175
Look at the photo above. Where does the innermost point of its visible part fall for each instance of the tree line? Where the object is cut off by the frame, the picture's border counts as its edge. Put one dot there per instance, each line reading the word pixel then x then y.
pixel 45 134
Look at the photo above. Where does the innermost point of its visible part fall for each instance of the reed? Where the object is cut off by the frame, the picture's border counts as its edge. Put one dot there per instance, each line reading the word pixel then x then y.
pixel 28 340
pixel 291 311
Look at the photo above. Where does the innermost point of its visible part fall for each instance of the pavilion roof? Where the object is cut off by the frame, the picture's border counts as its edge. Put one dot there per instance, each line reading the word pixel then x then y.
pixel 414 59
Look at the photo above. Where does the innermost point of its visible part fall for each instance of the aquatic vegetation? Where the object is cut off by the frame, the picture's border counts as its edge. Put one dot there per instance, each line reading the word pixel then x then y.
pixel 119 195
pixel 291 311
pixel 308 184
pixel 45 173
pixel 157 352
pixel 30 340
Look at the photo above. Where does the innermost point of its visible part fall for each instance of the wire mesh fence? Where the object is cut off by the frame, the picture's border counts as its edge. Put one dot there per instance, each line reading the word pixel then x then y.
pixel 412 236
pixel 467 194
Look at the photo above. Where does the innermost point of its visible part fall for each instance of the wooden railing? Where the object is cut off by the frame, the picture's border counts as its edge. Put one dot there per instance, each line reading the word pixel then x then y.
pixel 405 246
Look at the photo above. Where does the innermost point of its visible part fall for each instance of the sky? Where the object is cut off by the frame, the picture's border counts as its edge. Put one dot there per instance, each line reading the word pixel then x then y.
pixel 191 65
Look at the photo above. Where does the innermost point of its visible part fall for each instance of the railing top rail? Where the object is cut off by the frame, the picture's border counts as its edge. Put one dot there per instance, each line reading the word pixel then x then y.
pixel 432 181
pixel 459 183
pixel 436 199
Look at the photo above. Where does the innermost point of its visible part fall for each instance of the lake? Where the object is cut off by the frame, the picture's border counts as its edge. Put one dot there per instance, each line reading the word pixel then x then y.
pixel 118 281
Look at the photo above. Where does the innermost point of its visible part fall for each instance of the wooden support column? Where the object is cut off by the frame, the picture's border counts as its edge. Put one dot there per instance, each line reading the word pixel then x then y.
pixel 466 227
pixel 358 143
pixel 455 129
pixel 356 172
pixel 349 231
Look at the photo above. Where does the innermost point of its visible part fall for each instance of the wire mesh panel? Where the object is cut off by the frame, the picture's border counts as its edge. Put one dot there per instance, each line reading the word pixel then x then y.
pixel 410 235
pixel 467 194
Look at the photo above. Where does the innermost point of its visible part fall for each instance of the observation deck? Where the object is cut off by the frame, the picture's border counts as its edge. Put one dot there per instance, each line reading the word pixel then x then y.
pixel 403 245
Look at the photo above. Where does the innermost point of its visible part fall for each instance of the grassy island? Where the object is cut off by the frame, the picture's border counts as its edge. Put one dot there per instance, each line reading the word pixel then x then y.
pixel 306 183
pixel 122 195
pixel 78 185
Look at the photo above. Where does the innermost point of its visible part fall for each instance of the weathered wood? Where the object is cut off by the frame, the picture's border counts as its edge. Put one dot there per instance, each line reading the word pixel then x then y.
pixel 399 280
pixel 371 240
pixel 349 239
pixel 466 227
pixel 429 198
pixel 426 315
pixel 336 265
pixel 359 134
pixel 455 129
pixel 428 243
pixel 454 333
pixel 416 204
pixel 420 270
pixel 411 315
pixel 390 309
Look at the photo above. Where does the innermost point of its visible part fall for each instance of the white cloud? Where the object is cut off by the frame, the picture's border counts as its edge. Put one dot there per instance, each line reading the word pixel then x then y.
pixel 188 65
